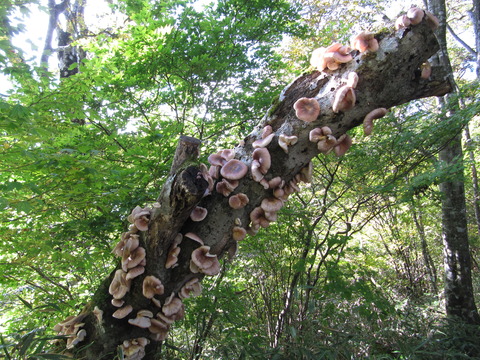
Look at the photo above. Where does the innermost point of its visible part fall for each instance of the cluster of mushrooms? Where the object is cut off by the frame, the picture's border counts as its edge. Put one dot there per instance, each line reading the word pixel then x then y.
pixel 223 176
pixel 133 265
pixel 71 327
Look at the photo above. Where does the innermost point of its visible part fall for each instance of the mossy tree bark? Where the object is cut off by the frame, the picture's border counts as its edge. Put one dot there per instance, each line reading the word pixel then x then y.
pixel 387 78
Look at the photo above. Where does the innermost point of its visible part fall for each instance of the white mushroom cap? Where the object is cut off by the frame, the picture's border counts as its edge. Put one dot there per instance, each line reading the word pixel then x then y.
pixel 284 141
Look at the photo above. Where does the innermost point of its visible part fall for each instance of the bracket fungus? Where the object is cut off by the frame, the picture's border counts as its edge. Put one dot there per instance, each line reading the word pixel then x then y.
pixel 172 257
pixel 173 308
pixel 117 302
pixel 238 233
pixel 402 22
pixel 343 144
pixel 133 259
pixel 204 262
pixel 257 217
pixel 415 15
pixel 77 338
pixel 142 320
pixel 331 57
pixel 127 244
pixel 307 109
pixel 284 141
pixel 261 163
pixel 120 285
pixel 192 287
pixel 152 286
pixel 140 218
pixel 134 349
pixel 267 130
pixel 365 41
pixel 372 115
pixel 122 312
pixel 344 99
pixel 98 314
pixel 159 330
pixel 226 187
pixel 432 20
pixel 234 170
pixel 238 201
pixel 263 142
pixel 352 79
pixel 69 325
pixel 194 237
pixel 198 213
pixel 425 70
pixel 271 204
pixel 216 160
pixel 134 272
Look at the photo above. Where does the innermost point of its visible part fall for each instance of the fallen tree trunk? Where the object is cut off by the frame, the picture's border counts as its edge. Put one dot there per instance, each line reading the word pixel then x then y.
pixel 387 77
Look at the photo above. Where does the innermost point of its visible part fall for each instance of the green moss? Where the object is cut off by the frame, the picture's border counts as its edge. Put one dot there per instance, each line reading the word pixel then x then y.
pixel 275 104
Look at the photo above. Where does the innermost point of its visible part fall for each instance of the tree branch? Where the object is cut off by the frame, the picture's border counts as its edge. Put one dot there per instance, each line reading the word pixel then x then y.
pixel 387 78
pixel 463 43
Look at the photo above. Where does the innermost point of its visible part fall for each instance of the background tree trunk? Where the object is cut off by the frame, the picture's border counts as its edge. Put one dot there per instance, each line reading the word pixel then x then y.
pixel 475 16
pixel 458 279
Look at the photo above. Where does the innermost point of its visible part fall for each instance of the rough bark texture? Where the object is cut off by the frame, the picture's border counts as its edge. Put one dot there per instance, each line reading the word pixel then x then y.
pixel 388 77
pixel 459 298
pixel 475 16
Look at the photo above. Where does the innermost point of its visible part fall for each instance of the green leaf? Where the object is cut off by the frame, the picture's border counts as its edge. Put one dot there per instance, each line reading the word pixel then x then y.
pixel 3 203
pixel 26 341
pixel 49 356
pixel 25 302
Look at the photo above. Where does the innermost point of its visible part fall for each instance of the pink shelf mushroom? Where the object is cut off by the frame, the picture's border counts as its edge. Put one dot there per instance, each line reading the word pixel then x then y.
pixel 344 99
pixel 372 115
pixel 263 142
pixel 174 308
pixel 343 144
pixel 158 329
pixel 365 41
pixel 402 22
pixel 234 170
pixel 134 272
pixel 330 57
pixel 238 233
pixel 426 70
pixel 415 15
pixel 120 285
pixel 238 201
pixel 204 262
pixel 140 218
pixel 307 109
pixel 123 312
pixel 198 214
pixel 267 130
pixel 192 287
pixel 152 286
